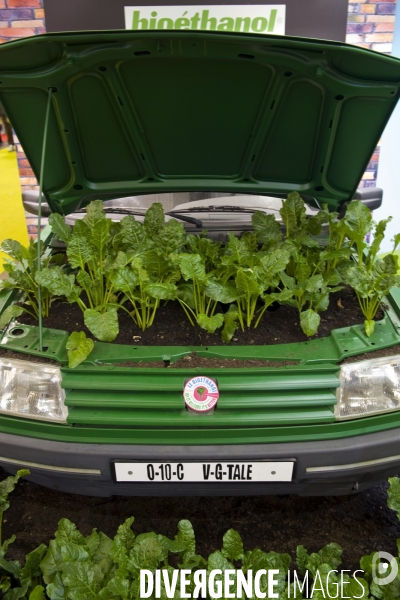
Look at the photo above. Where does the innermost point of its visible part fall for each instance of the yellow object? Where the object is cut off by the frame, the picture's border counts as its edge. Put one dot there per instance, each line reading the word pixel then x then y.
pixel 12 216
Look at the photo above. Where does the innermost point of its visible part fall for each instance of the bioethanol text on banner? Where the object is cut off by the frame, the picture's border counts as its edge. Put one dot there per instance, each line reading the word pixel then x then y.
pixel 251 18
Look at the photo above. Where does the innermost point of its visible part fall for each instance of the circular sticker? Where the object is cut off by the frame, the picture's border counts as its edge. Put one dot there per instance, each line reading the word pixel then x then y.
pixel 200 394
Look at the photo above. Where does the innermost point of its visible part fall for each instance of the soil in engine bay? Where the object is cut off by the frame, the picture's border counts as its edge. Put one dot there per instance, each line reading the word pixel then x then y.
pixel 171 327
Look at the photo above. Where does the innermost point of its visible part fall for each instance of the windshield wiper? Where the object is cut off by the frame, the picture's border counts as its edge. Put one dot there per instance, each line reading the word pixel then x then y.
pixel 128 211
pixel 224 208
pixel 192 220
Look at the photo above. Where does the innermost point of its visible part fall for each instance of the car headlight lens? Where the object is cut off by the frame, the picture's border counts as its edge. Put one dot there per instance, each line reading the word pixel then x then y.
pixel 31 390
pixel 368 387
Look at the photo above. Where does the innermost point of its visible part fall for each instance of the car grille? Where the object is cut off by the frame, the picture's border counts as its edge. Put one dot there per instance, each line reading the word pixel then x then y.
pixel 152 398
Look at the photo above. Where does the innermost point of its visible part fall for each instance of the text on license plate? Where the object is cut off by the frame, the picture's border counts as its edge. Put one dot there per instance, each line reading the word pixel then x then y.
pixel 204 471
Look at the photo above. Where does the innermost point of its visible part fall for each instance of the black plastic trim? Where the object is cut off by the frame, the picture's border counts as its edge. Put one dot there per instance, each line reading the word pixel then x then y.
pixel 343 451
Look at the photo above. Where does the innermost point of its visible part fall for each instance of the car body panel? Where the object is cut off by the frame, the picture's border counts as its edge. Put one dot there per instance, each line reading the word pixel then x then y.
pixel 334 466
pixel 152 111
pixel 136 113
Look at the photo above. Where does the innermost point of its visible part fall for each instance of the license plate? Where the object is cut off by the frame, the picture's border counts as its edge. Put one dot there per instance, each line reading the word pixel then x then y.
pixel 204 472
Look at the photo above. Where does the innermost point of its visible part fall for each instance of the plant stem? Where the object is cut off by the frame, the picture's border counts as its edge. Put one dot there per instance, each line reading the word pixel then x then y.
pixel 185 307
pixel 240 316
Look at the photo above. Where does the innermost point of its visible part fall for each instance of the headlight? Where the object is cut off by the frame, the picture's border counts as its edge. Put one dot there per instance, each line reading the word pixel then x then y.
pixel 368 387
pixel 31 390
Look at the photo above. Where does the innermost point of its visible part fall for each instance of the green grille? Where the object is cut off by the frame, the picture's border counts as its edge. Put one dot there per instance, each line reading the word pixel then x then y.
pixel 248 398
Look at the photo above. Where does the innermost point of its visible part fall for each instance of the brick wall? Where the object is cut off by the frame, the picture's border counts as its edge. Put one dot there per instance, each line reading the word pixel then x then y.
pixel 20 18
pixel 370 24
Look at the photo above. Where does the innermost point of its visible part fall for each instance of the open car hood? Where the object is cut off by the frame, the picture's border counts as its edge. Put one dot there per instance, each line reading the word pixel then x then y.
pixel 137 112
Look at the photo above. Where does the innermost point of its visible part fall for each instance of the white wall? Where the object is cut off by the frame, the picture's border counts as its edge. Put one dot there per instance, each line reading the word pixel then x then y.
pixel 389 163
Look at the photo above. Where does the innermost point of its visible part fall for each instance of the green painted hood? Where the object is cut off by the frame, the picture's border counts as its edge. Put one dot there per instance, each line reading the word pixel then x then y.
pixel 136 112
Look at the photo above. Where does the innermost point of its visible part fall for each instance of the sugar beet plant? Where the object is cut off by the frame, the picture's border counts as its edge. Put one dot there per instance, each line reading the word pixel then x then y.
pixel 134 266
pixel 311 274
pixel 115 265
pixel 371 277
pixel 22 268
pixel 96 567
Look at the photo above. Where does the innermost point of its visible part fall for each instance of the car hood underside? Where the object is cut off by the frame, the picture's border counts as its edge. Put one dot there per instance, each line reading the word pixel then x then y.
pixel 139 112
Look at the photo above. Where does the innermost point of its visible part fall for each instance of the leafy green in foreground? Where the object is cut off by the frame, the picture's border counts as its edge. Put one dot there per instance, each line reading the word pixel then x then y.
pixel 78 567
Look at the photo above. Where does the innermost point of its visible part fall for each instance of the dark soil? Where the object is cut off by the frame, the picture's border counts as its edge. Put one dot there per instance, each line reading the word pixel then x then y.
pixel 360 524
pixel 192 360
pixel 20 356
pixel 172 328
pixel 199 361
pixel 391 351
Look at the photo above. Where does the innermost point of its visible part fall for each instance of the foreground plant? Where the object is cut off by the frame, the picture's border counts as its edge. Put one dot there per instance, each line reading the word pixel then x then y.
pixel 98 567
pixel 29 577
pixel 128 567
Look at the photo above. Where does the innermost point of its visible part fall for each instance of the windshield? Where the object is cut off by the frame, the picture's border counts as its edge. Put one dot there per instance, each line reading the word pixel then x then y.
pixel 219 213
pixel 202 202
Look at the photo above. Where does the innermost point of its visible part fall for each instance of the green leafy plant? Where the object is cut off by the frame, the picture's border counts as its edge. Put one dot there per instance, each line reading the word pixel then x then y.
pixel 302 277
pixel 201 288
pixel 78 348
pixel 146 269
pixel 114 264
pixel 369 276
pixel 207 284
pixel 237 275
pixel 144 281
pixel 29 577
pixel 22 272
pixel 6 487
pixel 198 306
pixel 96 566
pixel 78 567
pixel 394 495
pixel 370 563
pixel 135 266
pixel 89 252
pixel 253 272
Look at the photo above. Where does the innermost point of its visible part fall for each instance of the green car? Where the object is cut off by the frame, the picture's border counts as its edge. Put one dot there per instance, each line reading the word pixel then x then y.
pixel 215 126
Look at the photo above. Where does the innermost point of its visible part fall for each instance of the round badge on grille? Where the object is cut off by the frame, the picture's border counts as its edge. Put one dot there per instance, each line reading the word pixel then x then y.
pixel 201 394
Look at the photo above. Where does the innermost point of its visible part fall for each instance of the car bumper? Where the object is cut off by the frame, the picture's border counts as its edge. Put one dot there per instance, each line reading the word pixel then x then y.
pixel 331 467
